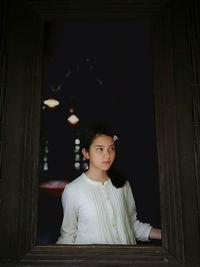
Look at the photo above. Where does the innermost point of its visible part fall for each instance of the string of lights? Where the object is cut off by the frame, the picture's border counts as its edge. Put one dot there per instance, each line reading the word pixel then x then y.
pixel 51 102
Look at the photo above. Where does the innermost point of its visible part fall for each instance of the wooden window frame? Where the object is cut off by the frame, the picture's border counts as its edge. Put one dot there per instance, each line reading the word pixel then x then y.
pixel 174 134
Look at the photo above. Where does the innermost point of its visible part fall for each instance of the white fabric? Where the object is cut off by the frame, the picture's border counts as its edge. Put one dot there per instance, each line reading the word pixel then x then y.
pixel 100 214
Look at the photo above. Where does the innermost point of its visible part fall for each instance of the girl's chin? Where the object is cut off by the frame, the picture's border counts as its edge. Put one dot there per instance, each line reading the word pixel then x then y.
pixel 105 168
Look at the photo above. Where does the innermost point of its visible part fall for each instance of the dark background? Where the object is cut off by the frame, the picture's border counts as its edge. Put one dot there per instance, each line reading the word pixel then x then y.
pixel 103 70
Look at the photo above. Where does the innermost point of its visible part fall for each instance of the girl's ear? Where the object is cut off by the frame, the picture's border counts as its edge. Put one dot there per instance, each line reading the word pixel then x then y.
pixel 85 153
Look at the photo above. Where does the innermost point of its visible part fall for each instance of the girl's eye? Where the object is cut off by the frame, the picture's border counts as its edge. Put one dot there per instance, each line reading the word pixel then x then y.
pixel 112 148
pixel 99 149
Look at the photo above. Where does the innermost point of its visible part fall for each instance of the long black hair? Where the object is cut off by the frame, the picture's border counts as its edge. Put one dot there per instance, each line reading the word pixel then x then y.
pixel 88 136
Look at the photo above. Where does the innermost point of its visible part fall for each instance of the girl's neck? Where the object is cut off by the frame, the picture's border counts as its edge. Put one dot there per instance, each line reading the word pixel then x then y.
pixel 97 176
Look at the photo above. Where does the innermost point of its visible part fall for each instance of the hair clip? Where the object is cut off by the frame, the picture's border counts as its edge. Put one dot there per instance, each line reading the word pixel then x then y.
pixel 115 138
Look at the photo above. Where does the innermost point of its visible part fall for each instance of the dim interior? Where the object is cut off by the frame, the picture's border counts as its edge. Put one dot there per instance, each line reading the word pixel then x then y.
pixel 96 72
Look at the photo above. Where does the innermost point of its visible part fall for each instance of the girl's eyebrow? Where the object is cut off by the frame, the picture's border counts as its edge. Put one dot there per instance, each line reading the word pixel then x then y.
pixel 103 145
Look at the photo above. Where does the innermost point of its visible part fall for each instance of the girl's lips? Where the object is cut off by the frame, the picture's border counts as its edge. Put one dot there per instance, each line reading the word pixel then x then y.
pixel 106 162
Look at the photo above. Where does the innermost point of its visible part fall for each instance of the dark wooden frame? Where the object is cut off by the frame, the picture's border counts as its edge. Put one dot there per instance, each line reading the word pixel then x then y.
pixel 173 105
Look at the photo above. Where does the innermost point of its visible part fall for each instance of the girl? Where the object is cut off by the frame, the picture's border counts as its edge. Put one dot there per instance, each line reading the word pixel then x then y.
pixel 99 207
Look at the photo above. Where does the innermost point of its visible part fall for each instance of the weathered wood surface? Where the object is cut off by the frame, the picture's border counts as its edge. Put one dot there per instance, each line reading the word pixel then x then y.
pixel 19 183
pixel 98 255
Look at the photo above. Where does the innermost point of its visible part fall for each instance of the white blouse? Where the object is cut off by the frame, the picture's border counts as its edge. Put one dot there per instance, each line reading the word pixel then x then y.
pixel 96 213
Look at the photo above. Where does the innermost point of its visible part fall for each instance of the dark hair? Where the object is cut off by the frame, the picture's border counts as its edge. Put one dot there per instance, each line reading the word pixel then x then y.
pixel 88 136
pixel 118 179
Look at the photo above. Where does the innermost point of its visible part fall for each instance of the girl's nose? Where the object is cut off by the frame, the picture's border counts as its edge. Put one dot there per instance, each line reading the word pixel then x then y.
pixel 107 153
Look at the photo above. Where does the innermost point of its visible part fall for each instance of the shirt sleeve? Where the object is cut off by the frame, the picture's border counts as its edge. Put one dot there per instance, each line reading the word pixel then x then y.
pixel 68 228
pixel 141 229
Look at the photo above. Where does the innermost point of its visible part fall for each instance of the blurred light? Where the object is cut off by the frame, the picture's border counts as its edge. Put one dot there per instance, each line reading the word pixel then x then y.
pixel 51 102
pixel 77 165
pixel 72 118
pixel 85 166
pixel 77 141
pixel 45 166
pixel 77 157
pixel 54 188
pixel 77 149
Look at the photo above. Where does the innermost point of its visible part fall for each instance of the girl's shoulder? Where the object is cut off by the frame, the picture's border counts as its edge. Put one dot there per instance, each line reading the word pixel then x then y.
pixel 76 182
pixel 126 186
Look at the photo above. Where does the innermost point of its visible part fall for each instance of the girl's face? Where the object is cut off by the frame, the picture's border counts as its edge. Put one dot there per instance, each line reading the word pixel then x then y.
pixel 101 153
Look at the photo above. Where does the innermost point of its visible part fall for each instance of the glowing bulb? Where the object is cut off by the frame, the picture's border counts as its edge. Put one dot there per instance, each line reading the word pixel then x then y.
pixel 51 102
pixel 73 119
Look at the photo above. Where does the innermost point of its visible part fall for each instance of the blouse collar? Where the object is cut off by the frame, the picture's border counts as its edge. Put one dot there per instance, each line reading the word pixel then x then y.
pixel 89 180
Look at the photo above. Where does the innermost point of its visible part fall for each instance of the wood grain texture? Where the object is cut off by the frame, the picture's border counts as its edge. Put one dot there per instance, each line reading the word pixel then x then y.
pixel 173 112
pixel 98 255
